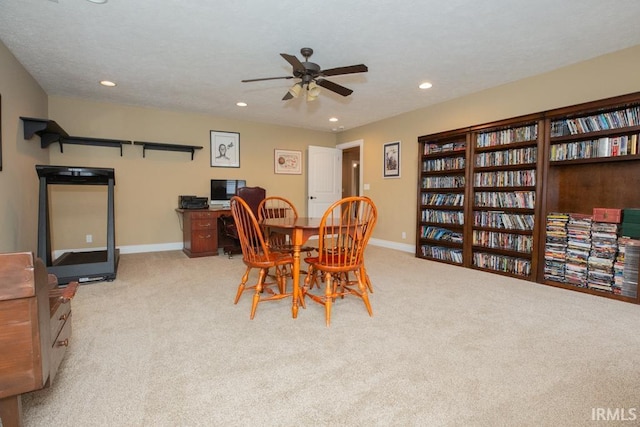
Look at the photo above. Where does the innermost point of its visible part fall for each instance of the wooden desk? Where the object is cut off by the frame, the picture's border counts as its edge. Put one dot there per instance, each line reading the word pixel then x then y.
pixel 300 230
pixel 200 231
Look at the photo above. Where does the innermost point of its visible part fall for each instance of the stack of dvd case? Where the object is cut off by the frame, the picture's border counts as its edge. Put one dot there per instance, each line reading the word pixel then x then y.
pixel 604 248
pixel 629 286
pixel 555 249
pixel 578 249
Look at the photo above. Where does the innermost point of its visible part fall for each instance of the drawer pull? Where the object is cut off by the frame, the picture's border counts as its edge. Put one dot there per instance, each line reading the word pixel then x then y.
pixel 207 224
pixel 64 343
pixel 64 317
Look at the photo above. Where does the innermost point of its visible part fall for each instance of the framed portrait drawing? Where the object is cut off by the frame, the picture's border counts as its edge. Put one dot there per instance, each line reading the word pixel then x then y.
pixel 287 162
pixel 225 149
pixel 391 160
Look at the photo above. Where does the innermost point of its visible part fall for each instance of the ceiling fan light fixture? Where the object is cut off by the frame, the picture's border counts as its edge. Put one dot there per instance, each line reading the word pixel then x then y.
pixel 313 90
pixel 295 90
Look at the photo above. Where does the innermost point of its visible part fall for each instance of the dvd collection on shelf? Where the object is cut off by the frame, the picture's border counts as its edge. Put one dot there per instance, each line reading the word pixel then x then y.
pixel 602 147
pixel 443 199
pixel 444 163
pixel 507 264
pixel 527 155
pixel 518 178
pixel 510 199
pixel 440 233
pixel 494 239
pixel 443 185
pixel 442 253
pixel 500 219
pixel 507 136
pixel 590 254
pixel 495 149
pixel 512 187
pixel 617 119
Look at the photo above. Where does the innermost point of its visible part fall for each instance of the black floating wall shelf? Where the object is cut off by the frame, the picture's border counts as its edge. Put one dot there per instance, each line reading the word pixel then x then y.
pixel 50 132
pixel 167 147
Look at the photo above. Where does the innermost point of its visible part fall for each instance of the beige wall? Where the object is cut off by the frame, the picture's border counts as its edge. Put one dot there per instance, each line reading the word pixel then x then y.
pixel 147 188
pixel 21 96
pixel 602 77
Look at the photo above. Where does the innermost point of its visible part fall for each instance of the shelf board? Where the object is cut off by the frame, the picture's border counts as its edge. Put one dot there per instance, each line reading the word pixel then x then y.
pixel 629 157
pixel 160 146
pixel 49 132
pixel 443 243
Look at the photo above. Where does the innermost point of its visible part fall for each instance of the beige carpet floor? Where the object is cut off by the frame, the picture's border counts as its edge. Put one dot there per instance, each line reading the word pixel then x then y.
pixel 163 345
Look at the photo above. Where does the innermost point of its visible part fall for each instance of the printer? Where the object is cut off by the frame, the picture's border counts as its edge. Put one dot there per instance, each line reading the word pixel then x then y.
pixel 193 202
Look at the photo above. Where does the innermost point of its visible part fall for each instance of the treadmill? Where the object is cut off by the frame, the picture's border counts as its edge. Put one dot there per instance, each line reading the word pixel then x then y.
pixel 81 266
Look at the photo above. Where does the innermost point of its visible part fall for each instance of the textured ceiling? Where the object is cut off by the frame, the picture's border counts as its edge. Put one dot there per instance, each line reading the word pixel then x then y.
pixel 191 55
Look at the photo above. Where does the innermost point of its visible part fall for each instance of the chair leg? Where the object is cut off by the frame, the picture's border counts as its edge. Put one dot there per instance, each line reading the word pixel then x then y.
pixel 243 281
pixel 328 295
pixel 256 295
pixel 366 278
pixel 363 292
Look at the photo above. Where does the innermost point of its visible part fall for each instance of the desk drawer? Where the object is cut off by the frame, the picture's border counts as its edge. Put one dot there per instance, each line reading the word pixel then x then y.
pixel 59 317
pixel 59 347
pixel 202 215
pixel 203 224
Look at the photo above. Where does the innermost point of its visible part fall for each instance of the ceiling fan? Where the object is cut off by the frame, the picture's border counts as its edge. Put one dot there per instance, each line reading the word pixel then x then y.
pixel 312 76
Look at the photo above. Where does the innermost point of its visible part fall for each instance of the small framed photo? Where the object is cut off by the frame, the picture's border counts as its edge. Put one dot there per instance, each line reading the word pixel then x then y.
pixel 391 161
pixel 225 149
pixel 288 162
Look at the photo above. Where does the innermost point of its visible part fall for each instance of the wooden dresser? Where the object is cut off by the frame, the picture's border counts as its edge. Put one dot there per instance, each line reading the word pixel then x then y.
pixel 35 328
pixel 200 231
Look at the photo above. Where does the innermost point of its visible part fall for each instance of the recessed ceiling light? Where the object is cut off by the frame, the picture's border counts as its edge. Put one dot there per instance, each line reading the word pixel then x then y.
pixel 425 85
pixel 98 1
pixel 241 104
pixel 333 119
pixel 107 83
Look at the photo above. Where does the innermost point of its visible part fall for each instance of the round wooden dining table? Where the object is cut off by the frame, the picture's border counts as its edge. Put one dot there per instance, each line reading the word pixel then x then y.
pixel 300 229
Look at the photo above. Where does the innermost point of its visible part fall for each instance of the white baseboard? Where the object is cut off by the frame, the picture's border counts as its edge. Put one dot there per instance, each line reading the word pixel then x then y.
pixel 176 246
pixel 404 247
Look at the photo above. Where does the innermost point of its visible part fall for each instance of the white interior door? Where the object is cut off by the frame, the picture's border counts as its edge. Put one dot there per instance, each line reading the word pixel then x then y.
pixel 324 171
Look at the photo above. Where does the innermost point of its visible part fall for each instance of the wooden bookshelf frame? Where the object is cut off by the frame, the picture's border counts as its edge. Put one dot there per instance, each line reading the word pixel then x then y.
pixel 572 186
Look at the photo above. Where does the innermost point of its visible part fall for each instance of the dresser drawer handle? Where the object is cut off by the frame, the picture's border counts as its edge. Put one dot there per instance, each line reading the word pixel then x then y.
pixel 64 343
pixel 64 317
pixel 207 224
pixel 207 236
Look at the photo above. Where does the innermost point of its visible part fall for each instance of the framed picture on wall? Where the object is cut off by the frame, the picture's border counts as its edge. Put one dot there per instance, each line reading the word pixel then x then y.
pixel 288 162
pixel 225 149
pixel 391 160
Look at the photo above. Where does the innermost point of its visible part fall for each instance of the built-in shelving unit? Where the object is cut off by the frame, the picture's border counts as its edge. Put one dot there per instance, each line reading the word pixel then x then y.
pixel 513 185
pixel 167 147
pixel 504 197
pixel 441 197
pixel 592 160
pixel 50 132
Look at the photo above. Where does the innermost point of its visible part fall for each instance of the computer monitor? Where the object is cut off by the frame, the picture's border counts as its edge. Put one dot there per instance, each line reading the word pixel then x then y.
pixel 222 190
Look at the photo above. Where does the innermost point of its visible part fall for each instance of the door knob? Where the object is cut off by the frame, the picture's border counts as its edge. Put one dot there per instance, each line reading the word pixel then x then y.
pixel 311 197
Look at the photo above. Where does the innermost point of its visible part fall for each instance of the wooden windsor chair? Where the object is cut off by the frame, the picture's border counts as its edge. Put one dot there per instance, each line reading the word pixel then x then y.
pixel 344 233
pixel 256 254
